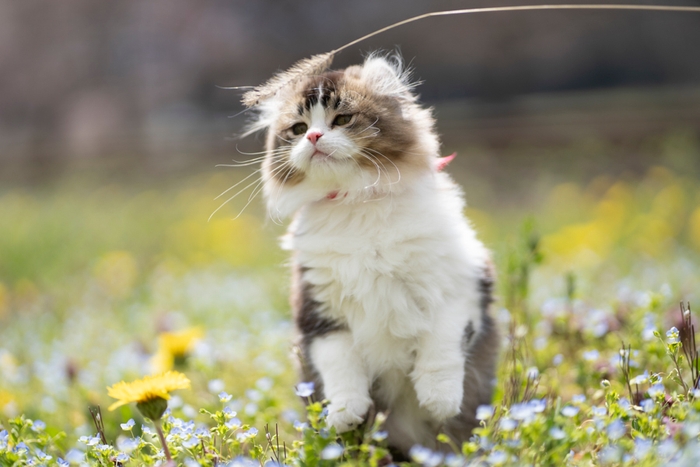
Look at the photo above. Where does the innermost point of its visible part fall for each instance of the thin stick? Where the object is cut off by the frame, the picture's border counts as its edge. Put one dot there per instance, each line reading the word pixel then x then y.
pixel 687 9
pixel 96 414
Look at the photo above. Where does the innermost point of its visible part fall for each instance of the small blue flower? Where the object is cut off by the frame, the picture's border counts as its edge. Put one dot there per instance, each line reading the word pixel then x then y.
pixel 128 425
pixel 202 433
pixel 380 436
pixel 21 449
pixel 73 456
pixel 233 424
pixel 610 455
pixel 647 405
pixel 570 411
pixel 557 433
pixel 121 458
pixel 616 430
pixel 190 442
pixel 538 405
pixel 578 398
pixel 305 389
pixel 41 455
pixel 484 412
pixel 656 390
pixel 242 461
pixel 224 396
pixel 332 451
pixel 147 430
pixel 507 424
pixel 640 379
pixel 425 456
pixel 128 444
pixel 672 335
pixel 92 441
pixel 497 458
pixel 246 435
pixel 62 463
pixel 454 460
pixel 38 426
pixel 300 426
pixel 229 412
pixel 419 454
pixel 642 447
pixel 591 355
pixel 522 411
pixel 558 359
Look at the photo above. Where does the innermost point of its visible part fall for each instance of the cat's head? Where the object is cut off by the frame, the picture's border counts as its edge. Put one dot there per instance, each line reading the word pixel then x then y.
pixel 347 135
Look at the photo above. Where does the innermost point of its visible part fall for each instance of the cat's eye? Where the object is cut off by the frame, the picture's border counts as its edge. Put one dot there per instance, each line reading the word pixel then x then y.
pixel 341 120
pixel 300 128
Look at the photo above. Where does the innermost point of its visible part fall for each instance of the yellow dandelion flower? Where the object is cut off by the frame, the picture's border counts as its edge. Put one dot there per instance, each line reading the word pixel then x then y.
pixel 174 347
pixel 150 393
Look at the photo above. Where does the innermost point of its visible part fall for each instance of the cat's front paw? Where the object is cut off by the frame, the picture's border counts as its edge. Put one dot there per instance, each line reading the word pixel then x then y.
pixel 440 394
pixel 347 414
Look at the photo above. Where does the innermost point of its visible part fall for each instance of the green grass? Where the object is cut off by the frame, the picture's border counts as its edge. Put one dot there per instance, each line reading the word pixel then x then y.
pixel 92 275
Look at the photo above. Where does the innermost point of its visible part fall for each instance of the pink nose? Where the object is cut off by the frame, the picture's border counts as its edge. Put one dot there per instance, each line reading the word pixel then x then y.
pixel 313 136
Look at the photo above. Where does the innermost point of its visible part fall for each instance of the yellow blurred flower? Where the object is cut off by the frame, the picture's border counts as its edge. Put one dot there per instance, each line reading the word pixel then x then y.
pixel 587 244
pixel 174 347
pixel 149 393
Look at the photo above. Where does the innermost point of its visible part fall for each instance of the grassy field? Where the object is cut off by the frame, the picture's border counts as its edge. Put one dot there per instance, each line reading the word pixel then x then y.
pixel 103 281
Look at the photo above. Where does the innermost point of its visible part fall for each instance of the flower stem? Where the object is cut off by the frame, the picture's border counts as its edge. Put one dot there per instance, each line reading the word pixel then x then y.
pixel 159 430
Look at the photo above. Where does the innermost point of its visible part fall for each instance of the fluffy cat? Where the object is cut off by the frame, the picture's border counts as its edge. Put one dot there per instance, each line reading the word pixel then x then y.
pixel 391 287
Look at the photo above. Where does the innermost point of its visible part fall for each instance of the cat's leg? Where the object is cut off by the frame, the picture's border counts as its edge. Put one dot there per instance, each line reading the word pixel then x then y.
pixel 345 379
pixel 438 372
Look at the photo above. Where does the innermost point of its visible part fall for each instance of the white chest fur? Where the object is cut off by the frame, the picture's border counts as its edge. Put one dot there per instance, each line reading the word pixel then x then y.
pixel 392 268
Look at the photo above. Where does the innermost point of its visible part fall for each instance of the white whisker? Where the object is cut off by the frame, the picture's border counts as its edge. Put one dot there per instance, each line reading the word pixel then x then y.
pixel 398 172
pixel 234 186
pixel 379 173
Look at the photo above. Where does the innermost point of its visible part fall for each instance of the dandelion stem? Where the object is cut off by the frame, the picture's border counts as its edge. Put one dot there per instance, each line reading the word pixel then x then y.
pixel 159 430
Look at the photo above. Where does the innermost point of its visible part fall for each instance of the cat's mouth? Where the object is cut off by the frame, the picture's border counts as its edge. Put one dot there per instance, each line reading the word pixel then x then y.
pixel 320 155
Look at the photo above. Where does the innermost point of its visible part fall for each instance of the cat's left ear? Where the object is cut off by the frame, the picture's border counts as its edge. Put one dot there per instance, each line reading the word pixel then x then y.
pixel 386 75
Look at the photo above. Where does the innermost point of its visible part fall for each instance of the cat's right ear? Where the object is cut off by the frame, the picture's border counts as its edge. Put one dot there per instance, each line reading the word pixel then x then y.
pixel 386 75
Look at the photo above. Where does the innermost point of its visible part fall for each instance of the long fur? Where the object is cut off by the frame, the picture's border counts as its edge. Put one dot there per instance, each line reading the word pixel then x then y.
pixel 392 288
